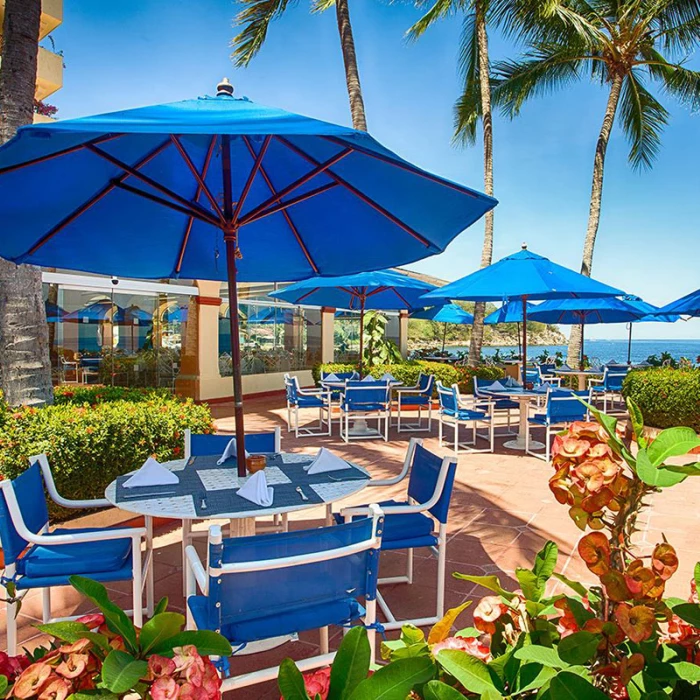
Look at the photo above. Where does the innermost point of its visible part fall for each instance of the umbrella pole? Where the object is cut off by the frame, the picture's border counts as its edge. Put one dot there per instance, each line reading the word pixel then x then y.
pixel 230 238
pixel 524 377
pixel 520 345
pixel 444 335
pixel 629 345
pixel 362 332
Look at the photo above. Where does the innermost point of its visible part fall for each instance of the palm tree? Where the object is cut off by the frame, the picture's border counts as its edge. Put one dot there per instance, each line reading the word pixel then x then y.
pixel 624 45
pixel 256 18
pixel 473 105
pixel 25 369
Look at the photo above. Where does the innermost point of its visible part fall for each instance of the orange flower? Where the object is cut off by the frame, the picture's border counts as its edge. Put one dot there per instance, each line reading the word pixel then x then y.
pixel 615 586
pixel 636 622
pixel 489 609
pixel 76 647
pixel 594 549
pixel 664 560
pixel 56 689
pixel 73 666
pixel 31 680
pixel 639 579
pixel 569 448
pixel 588 476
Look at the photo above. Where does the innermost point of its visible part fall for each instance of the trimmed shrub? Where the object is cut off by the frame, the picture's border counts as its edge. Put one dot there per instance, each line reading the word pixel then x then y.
pixel 79 395
pixel 89 446
pixel 667 397
pixel 466 381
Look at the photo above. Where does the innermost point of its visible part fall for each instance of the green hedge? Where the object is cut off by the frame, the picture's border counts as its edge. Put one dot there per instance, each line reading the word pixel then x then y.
pixel 407 372
pixel 89 446
pixel 667 397
pixel 69 394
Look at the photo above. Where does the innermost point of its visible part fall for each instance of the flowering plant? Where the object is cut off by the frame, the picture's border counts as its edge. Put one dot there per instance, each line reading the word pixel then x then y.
pixel 105 656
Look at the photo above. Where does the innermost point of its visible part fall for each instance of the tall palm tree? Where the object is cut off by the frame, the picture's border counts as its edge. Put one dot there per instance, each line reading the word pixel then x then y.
pixel 624 45
pixel 255 19
pixel 25 369
pixel 473 105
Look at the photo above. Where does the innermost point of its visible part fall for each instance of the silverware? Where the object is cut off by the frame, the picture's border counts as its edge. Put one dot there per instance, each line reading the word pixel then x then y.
pixel 191 462
pixel 348 478
pixel 304 497
pixel 203 505
pixel 150 494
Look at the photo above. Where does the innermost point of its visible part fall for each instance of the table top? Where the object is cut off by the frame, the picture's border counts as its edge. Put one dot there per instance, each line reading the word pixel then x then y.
pixel 207 490
pixel 341 384
pixel 512 392
pixel 577 371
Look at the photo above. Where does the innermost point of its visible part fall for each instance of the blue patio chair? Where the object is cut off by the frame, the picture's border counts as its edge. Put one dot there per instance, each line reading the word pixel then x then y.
pixel 363 401
pixel 609 386
pixel 455 412
pixel 504 404
pixel 419 521
pixel 208 444
pixel 562 408
pixel 35 558
pixel 547 376
pixel 342 377
pixel 255 590
pixel 416 397
pixel 298 398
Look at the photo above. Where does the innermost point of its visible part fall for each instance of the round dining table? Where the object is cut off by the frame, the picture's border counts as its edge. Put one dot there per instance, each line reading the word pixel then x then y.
pixel 523 397
pixel 582 374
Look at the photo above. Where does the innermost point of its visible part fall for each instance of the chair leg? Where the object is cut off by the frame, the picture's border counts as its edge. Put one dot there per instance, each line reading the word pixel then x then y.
pixel 285 522
pixel 442 564
pixel 12 629
pixel 323 643
pixel 289 418
pixel 398 413
pixel 547 443
pixel 186 531
pixel 370 619
pixel 456 427
pixel 45 604
pixel 136 583
pixel 440 430
pixel 150 574
pixel 296 421
pixel 409 566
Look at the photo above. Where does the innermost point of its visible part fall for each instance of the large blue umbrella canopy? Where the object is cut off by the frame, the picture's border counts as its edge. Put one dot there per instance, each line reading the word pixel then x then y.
pixel 381 290
pixel 689 305
pixel 220 188
pixel 651 313
pixel 447 313
pixel 510 312
pixel 522 276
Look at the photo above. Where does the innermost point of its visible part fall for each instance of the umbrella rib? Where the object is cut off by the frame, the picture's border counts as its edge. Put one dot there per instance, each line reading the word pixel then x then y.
pixel 89 203
pixel 257 165
pixel 286 214
pixel 200 180
pixel 277 196
pixel 154 184
pixel 363 197
pixel 289 203
pixel 190 221
pixel 308 294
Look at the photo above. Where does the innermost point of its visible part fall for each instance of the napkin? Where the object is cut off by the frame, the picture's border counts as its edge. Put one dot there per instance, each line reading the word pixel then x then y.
pixel 510 382
pixel 256 490
pixel 496 386
pixel 230 451
pixel 331 378
pixel 326 461
pixel 152 473
pixel 369 378
pixel 388 377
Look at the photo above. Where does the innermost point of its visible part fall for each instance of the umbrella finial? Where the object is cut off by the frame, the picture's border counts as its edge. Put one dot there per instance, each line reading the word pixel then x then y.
pixel 224 88
pixel 524 246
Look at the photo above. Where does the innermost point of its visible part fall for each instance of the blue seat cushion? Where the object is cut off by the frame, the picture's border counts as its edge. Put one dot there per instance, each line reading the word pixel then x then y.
pixel 85 558
pixel 309 402
pixel 504 404
pixel 414 400
pixel 466 414
pixel 539 419
pixel 354 408
pixel 314 615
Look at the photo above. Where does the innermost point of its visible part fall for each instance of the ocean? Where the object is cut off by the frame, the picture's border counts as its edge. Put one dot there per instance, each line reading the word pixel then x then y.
pixel 606 350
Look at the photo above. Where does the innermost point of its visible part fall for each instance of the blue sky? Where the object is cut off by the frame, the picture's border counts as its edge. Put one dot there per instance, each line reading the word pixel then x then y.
pixel 136 52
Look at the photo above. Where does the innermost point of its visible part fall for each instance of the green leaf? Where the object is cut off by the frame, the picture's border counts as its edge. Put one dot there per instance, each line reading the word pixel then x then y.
pixel 471 672
pixel 159 628
pixel 162 606
pixel 637 420
pixel 410 634
pixel 395 681
pixel 687 671
pixel 4 684
pixel 491 694
pixel 351 664
pixel 117 620
pixel 690 612
pixel 573 585
pixel 490 582
pixel 121 671
pixel 579 647
pixel 471 632
pixel 672 442
pixel 208 643
pixel 291 682
pixel 71 632
pixel 437 690
pixel 696 576
pixel 569 686
pixel 656 476
pixel 97 694
pixel 687 469
pixel 541 655
pixel 533 676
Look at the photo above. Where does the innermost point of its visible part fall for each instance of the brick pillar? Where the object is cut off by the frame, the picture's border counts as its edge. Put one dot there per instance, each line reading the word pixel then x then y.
pixel 327 334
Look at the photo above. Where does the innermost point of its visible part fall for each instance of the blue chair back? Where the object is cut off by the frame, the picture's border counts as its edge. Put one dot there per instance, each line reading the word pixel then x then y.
pixel 565 406
pixel 448 398
pixel 216 444
pixel 547 367
pixel 29 491
pixel 613 378
pixel 425 383
pixel 425 470
pixel 359 393
pixel 532 375
pixel 290 387
pixel 235 598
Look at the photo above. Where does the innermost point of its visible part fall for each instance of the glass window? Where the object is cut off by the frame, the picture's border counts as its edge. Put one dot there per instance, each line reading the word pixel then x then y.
pixel 346 337
pixel 392 330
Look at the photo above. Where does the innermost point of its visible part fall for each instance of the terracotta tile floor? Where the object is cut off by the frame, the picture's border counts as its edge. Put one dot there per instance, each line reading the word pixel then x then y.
pixel 502 512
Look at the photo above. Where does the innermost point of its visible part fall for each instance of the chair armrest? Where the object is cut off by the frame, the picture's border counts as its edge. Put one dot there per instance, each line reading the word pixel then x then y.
pixel 194 564
pixel 77 537
pixel 594 380
pixel 56 496
pixel 407 389
pixel 89 503
pixel 348 513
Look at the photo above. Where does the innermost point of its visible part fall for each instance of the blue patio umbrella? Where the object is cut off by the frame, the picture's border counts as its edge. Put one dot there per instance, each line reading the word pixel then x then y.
pixel 97 312
pixel 384 290
pixel 523 276
pixel 220 188
pixel 510 312
pixel 689 305
pixel 447 313
pixel 651 313
pixel 54 313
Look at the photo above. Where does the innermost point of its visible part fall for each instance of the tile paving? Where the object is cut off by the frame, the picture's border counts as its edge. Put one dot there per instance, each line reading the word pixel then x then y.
pixel 502 512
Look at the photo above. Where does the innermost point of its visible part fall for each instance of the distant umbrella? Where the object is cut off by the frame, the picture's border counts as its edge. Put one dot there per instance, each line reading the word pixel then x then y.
pixel 54 313
pixel 689 305
pixel 651 314
pixel 511 312
pixel 447 313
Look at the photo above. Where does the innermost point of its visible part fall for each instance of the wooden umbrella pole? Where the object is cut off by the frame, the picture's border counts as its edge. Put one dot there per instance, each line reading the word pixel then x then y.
pixel 520 345
pixel 444 335
pixel 524 341
pixel 362 332
pixel 629 345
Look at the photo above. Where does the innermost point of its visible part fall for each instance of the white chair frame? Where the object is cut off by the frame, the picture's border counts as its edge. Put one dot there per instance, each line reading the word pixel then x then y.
pixel 478 405
pixel 440 551
pixel 198 575
pixel 611 394
pixel 325 412
pixel 188 441
pixel 483 397
pixel 413 427
pixel 142 576
pixel 380 415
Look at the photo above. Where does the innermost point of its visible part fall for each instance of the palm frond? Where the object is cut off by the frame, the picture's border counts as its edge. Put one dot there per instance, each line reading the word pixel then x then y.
pixel 439 10
pixel 467 110
pixel 322 5
pixel 678 81
pixel 677 36
pixel 673 13
pixel 255 19
pixel 643 120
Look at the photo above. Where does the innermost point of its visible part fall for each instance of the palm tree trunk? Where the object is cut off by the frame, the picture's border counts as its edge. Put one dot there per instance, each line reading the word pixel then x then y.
pixel 477 337
pixel 25 368
pixel 352 74
pixel 574 352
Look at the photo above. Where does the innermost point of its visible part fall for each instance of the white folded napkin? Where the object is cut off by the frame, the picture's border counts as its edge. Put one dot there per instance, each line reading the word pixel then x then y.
pixel 388 377
pixel 326 461
pixel 369 378
pixel 510 382
pixel 256 490
pixel 152 473
pixel 496 386
pixel 230 451
pixel 331 378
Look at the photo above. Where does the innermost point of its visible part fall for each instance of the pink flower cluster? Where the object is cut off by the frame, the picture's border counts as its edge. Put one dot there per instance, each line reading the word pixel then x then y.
pixel 187 676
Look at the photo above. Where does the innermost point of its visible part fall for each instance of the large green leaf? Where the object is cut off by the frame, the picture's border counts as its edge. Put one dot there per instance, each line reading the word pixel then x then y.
pixel 351 664
pixel 656 476
pixel 395 681
pixel 541 655
pixel 117 620
pixel 437 690
pixel 490 582
pixel 71 632
pixel 687 469
pixel 637 421
pixel 687 671
pixel 533 676
pixel 159 628
pixel 4 684
pixel 291 682
pixel 491 694
pixel 672 442
pixel 573 585
pixel 569 686
pixel 208 643
pixel 121 671
pixel 690 612
pixel 161 606
pixel 471 672
pixel 579 647
pixel 696 576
